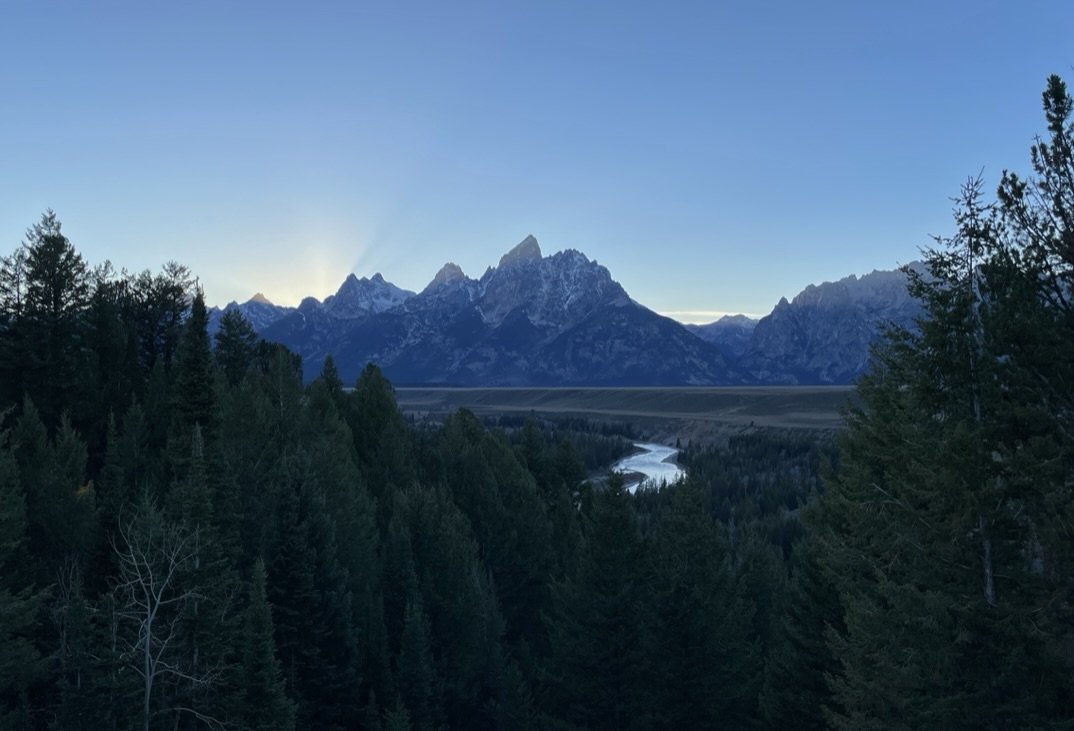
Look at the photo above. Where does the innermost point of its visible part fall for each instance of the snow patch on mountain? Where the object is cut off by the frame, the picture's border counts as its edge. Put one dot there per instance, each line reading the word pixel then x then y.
pixel 360 297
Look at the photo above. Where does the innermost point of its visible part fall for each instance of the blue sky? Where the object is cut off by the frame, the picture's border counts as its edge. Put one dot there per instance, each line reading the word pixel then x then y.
pixel 715 156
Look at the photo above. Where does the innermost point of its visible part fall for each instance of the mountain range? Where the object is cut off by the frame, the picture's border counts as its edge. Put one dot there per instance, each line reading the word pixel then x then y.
pixel 561 320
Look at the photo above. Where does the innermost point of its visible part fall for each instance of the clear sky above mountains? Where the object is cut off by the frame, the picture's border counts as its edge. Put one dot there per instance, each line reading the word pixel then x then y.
pixel 713 155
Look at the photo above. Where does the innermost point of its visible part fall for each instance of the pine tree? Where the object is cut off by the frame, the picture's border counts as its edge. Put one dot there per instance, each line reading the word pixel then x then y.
pixel 333 385
pixel 59 501
pixel 333 466
pixel 52 322
pixel 415 674
pixel 236 344
pixel 20 661
pixel 509 520
pixel 293 593
pixel 949 532
pixel 380 434
pixel 797 668
pixel 595 628
pixel 312 610
pixel 12 328
pixel 397 719
pixel 193 396
pixel 209 624
pixel 161 304
pixel 80 704
pixel 111 374
pixel 265 705
pixel 699 640
pixel 456 597
pixel 249 462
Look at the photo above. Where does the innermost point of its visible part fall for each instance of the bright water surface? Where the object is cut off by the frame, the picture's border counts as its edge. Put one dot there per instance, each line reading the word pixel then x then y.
pixel 654 463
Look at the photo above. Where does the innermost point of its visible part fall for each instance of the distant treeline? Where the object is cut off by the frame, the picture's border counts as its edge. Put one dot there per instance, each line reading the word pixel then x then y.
pixel 192 538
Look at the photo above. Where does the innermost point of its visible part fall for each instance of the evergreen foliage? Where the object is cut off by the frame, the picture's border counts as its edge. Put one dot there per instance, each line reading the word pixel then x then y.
pixel 236 344
pixel 265 705
pixel 914 572
pixel 596 628
pixel 947 524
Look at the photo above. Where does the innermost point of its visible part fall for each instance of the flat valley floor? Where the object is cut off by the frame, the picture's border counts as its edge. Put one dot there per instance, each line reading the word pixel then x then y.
pixel 685 411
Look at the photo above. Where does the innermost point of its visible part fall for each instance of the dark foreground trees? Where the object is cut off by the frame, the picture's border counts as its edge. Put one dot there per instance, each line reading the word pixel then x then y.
pixel 949 525
pixel 192 538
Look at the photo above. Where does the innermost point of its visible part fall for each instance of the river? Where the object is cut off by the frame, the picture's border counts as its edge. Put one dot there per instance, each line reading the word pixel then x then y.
pixel 655 463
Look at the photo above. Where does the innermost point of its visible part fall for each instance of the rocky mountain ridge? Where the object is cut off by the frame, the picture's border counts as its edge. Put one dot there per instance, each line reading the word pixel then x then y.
pixel 823 335
pixel 535 320
pixel 530 320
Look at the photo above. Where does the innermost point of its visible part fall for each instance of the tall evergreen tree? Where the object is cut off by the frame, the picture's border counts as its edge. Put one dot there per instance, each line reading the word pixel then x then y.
pixel 236 345
pixel 415 673
pixel 949 515
pixel 698 639
pixel 800 663
pixel 12 327
pixel 161 303
pixel 20 661
pixel 53 327
pixel 312 608
pixel 209 624
pixel 265 705
pixel 59 501
pixel 380 434
pixel 509 520
pixel 595 671
pixel 194 396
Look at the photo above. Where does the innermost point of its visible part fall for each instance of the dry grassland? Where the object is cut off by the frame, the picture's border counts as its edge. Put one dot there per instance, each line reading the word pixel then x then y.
pixel 782 407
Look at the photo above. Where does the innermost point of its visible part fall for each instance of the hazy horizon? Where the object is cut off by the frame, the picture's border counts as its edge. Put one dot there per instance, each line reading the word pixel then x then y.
pixel 714 159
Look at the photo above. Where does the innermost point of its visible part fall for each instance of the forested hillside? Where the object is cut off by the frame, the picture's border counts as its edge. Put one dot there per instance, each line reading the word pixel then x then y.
pixel 192 538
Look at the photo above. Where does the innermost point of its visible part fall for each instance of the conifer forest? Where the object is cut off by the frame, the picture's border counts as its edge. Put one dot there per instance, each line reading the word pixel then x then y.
pixel 192 536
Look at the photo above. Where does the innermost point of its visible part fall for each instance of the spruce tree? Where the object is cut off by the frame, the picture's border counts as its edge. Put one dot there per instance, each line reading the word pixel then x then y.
pixel 699 638
pixel 265 705
pixel 13 343
pixel 20 661
pixel 209 624
pixel 59 500
pixel 380 434
pixel 949 532
pixel 800 663
pixel 53 326
pixel 415 673
pixel 193 393
pixel 236 344
pixel 312 610
pixel 595 670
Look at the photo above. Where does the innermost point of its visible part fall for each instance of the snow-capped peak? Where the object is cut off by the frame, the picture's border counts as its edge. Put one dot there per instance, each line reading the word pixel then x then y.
pixel 527 250
pixel 260 299
pixel 357 297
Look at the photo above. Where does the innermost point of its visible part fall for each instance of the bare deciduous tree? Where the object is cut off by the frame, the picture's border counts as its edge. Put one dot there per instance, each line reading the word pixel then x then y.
pixel 153 554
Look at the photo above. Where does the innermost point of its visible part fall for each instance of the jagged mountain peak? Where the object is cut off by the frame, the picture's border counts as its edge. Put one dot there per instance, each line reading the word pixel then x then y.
pixel 448 273
pixel 738 320
pixel 879 287
pixel 357 297
pixel 527 250
pixel 823 334
pixel 258 311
